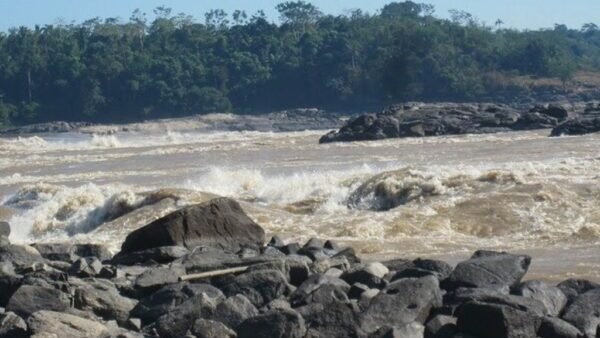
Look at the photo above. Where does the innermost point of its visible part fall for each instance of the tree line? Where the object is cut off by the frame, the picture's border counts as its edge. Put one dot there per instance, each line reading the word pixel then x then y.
pixel 175 65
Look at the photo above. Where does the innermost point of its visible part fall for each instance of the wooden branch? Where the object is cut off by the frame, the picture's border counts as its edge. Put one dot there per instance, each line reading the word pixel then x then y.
pixel 213 273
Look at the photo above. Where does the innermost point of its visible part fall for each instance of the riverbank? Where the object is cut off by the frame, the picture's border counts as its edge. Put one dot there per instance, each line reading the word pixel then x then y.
pixel 206 271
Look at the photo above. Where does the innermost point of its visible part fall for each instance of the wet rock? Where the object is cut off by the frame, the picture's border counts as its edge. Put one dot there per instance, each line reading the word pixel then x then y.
pixel 260 287
pixel 575 287
pixel 402 302
pixel 276 242
pixel 413 330
pixel 56 324
pixel 169 297
pixel 584 312
pixel 12 326
pixel 29 299
pixel 219 223
pixel 578 126
pixel 290 249
pixel 103 299
pixel 282 323
pixel 441 326
pixel 203 328
pixel 234 310
pixel 557 328
pixel 333 320
pixel 496 321
pixel 551 296
pixel 485 269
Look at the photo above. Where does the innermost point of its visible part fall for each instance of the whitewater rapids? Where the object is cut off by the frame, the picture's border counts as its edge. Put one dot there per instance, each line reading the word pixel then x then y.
pixel 430 197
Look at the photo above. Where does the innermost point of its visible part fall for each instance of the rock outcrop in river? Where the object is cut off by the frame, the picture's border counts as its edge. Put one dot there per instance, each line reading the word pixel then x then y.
pixel 317 289
pixel 434 119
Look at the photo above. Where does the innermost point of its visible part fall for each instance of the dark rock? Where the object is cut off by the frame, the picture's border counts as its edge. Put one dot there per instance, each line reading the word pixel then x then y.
pixel 584 312
pixel 324 294
pixel 496 321
pixel 272 251
pixel 465 295
pixel 8 285
pixel 260 287
pixel 402 302
pixel 177 322
pixel 12 326
pixel 441 326
pixel 575 287
pixel 489 270
pixel 46 324
pixel 578 126
pixel 274 324
pixel 71 252
pixel 4 229
pixel 219 223
pixel 103 299
pixel 557 328
pixel 423 267
pixel 413 330
pixel 551 296
pixel 356 290
pixel 398 264
pixel 203 328
pixel 234 310
pixel 161 255
pixel 134 324
pixel 154 279
pixel 350 255
pixel 29 299
pixel 290 249
pixel 333 320
pixel 313 283
pixel 276 242
pixel 169 297
pixel 332 245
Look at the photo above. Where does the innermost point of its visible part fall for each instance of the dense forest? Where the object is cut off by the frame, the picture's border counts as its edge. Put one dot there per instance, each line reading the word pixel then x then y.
pixel 174 65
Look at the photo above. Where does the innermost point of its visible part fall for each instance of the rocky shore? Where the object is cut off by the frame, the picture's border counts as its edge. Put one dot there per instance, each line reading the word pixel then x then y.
pixel 435 119
pixel 205 271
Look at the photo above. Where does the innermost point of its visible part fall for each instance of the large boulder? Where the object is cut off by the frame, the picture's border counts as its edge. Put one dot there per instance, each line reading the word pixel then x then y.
pixel 176 323
pixel 578 126
pixel 219 223
pixel 487 269
pixel 32 298
pixel 203 328
pixel 333 320
pixel 56 324
pixel 557 328
pixel 403 302
pixel 572 288
pixel 20 256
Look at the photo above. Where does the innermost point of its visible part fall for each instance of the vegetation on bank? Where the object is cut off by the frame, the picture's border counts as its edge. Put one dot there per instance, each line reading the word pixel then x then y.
pixel 114 70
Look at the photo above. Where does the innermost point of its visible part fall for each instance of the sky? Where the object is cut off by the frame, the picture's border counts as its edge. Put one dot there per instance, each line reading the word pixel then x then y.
pixel 521 14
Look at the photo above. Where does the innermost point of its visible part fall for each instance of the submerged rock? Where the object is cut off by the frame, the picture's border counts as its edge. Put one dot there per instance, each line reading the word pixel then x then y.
pixel 219 223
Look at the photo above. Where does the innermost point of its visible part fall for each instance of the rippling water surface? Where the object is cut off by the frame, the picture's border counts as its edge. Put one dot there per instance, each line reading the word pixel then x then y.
pixel 436 197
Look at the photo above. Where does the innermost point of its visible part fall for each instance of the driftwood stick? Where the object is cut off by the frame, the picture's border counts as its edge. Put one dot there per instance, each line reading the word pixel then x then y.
pixel 213 273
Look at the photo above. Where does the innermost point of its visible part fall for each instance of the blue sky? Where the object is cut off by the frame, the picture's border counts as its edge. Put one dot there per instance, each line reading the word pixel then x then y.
pixel 523 14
